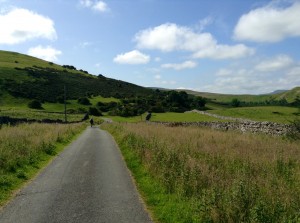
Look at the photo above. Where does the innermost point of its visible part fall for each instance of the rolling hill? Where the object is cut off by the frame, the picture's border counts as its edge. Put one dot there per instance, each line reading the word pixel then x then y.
pixel 26 77
pixel 23 76
pixel 289 95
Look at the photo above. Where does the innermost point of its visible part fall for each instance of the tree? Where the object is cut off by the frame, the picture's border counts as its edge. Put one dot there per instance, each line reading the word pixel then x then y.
pixel 296 102
pixel 84 101
pixel 199 102
pixel 35 104
pixel 235 102
pixel 94 111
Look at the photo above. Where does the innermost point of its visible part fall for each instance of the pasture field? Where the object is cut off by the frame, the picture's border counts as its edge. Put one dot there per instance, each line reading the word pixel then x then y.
pixel 182 117
pixel 277 114
pixel 38 114
pixel 188 174
pixel 127 119
pixel 17 108
pixel 167 117
pixel 26 148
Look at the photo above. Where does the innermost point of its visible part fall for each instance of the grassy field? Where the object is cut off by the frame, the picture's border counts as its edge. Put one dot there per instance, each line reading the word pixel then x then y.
pixel 38 114
pixel 25 148
pixel 277 114
pixel 182 117
pixel 166 117
pixel 201 175
pixel 17 108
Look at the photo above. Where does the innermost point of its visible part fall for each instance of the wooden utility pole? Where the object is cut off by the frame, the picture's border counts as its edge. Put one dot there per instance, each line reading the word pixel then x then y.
pixel 65 102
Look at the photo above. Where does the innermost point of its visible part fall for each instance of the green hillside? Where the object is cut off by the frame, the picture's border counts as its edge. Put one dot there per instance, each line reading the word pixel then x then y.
pixel 289 95
pixel 24 76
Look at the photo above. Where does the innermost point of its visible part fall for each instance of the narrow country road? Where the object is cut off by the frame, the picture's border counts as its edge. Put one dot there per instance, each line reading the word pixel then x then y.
pixel 88 182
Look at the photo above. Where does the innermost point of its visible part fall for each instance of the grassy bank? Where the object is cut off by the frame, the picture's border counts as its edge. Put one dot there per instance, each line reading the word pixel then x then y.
pixel 201 175
pixel 25 148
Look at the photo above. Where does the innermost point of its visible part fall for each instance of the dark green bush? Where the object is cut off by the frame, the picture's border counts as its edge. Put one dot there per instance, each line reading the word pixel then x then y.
pixel 94 111
pixel 84 101
pixel 35 104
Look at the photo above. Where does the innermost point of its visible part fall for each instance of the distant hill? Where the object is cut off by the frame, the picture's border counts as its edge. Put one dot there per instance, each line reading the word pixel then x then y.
pixel 29 77
pixel 289 95
pixel 278 92
pixel 23 76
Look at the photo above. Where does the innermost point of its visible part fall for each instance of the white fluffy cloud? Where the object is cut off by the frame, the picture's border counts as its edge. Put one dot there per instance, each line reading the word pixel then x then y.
pixel 269 24
pixel 19 25
pixel 132 57
pixel 46 53
pixel 99 6
pixel 275 64
pixel 170 37
pixel 225 52
pixel 280 72
pixel 185 65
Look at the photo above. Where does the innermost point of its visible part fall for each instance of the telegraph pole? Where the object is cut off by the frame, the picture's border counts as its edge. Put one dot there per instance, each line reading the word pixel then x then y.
pixel 65 102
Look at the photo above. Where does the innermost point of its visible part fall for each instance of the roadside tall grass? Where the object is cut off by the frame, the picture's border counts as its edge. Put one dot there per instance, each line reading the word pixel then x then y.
pixel 24 147
pixel 215 176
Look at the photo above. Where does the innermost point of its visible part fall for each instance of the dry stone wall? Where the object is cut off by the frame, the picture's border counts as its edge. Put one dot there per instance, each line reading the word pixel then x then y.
pixel 238 124
pixel 253 127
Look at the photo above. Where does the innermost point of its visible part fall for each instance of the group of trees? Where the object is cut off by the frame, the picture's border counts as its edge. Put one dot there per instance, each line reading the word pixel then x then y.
pixel 159 102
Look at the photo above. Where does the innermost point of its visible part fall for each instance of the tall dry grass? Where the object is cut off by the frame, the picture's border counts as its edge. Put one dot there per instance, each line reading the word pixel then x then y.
pixel 24 146
pixel 228 176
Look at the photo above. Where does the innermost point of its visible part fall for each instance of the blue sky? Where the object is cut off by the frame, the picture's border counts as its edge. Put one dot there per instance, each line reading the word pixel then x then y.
pixel 232 46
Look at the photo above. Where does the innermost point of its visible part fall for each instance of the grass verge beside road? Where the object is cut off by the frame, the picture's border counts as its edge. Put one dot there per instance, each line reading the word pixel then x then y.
pixel 191 174
pixel 26 148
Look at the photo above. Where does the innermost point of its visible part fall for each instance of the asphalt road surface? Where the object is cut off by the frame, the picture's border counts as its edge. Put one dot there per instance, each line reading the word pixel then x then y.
pixel 88 182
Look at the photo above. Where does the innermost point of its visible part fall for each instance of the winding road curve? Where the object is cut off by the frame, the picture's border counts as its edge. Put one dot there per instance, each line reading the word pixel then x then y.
pixel 88 182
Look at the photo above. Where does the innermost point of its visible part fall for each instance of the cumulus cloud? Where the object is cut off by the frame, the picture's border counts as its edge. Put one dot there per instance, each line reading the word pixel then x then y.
pixel 225 52
pixel 185 65
pixel 171 37
pixel 99 6
pixel 280 72
pixel 132 57
pixel 46 53
pixel 275 64
pixel 19 25
pixel 203 23
pixel 269 24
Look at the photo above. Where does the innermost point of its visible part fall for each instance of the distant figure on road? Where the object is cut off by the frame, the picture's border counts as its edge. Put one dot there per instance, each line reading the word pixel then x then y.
pixel 148 117
pixel 92 122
